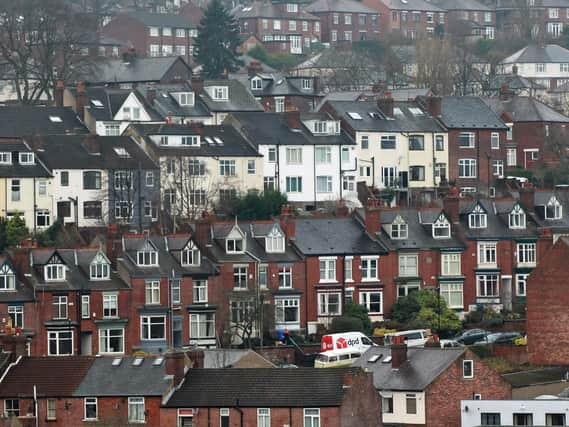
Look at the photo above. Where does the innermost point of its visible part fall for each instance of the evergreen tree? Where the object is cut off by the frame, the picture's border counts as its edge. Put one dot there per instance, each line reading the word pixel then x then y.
pixel 217 41
pixel 16 231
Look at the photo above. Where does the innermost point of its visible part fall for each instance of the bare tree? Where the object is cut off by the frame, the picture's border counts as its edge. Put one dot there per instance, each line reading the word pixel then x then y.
pixel 249 317
pixel 40 42
pixel 436 65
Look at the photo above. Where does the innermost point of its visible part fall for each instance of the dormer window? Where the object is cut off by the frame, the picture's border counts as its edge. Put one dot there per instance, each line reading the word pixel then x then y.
pixel 306 84
pixel 477 218
pixel 234 246
pixel 185 98
pixel 5 158
pixel 256 83
pixel 219 93
pixel 292 7
pixel 517 217
pixel 553 209
pixel 190 255
pixel 191 141
pixel 26 158
pixel 7 279
pixel 147 258
pixel 54 272
pixel 441 228
pixel 398 228
pixel 100 269
pixel 275 242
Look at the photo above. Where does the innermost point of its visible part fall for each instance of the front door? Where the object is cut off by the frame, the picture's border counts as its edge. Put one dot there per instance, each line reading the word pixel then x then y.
pixel 86 343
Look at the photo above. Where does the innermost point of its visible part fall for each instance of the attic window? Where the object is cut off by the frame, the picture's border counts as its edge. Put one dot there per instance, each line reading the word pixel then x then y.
pixel 517 217
pixel 137 361
pixel 256 83
pixel 158 361
pixel 234 246
pixel 147 258
pixel 477 218
pixel 441 228
pixel 26 158
pixel 99 268
pixel 386 360
pixel 97 103
pixel 121 152
pixel 55 119
pixel 191 141
pixel 7 279
pixel 217 140
pixel 116 361
pixel 274 242
pixel 54 272
pixel 306 84
pixel 397 112
pixel 354 116
pixel 185 98
pixel 398 228
pixel 220 93
pixel 292 7
pixel 190 255
pixel 416 111
pixel 553 209
pixel 374 358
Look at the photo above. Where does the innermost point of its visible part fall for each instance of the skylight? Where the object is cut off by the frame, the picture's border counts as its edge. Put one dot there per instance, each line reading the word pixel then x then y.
pixel 209 140
pixel 386 360
pixel 416 111
pixel 121 152
pixel 137 361
pixel 218 140
pixel 97 103
pixel 117 361
pixel 55 119
pixel 158 361
pixel 397 112
pixel 374 358
pixel 354 116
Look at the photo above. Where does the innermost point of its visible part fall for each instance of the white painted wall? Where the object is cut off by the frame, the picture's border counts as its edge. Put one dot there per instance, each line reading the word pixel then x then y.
pixel 471 417
pixel 400 414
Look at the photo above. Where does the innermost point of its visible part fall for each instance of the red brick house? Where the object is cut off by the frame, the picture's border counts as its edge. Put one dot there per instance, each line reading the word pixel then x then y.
pixel 344 264
pixel 270 397
pixel 172 288
pixel 477 141
pixel 281 26
pixel 418 385
pixel 546 314
pixel 549 17
pixel 531 123
pixel 345 20
pixel 154 34
pixel 412 19
pixel 471 19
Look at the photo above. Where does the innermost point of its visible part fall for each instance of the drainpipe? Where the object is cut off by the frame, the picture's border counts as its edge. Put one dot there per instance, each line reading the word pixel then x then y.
pixel 35 207
pixel 238 409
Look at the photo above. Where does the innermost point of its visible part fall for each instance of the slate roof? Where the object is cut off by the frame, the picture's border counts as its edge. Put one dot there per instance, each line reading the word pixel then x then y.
pixel 22 293
pixel 273 129
pixel 234 145
pixel 161 19
pixel 77 276
pixel 17 170
pixel 321 6
pixel 169 261
pixel 410 5
pixel 263 9
pixel 514 82
pixel 406 122
pixel 497 221
pixel 468 112
pixel 537 376
pixel 103 379
pixel 538 54
pixel 423 366
pixel 140 70
pixel 334 236
pixel 419 230
pixel 277 84
pixel 71 152
pixel 17 121
pixel 268 388
pixel 463 5
pixel 541 197
pixel 217 358
pixel 165 104
pixel 53 376
pixel 239 98
pixel 525 109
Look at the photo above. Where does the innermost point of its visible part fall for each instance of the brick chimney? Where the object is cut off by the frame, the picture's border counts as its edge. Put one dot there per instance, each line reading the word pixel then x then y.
pixel 451 205
pixel 197 358
pixel 175 366
pixel 398 352
pixel 81 100
pixel 151 95
pixel 202 232
pixel 348 380
pixel 434 106
pixel 197 84
pixel 373 216
pixel 288 222
pixel 293 119
pixel 342 210
pixel 197 127
pixel 253 68
pixel 58 95
pixel 527 193
pixel 14 343
pixel 92 144
pixel 505 93
pixel 385 104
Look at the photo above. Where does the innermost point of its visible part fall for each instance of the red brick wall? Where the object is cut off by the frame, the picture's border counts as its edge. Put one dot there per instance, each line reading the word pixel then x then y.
pixel 443 396
pixel 327 25
pixel 532 135
pixel 547 314
pixel 362 403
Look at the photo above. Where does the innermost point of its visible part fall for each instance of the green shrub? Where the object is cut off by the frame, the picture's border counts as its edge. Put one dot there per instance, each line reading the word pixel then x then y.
pixel 346 324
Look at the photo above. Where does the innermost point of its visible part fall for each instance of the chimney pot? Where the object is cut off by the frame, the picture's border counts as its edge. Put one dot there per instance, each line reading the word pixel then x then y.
pixel 385 104
pixel 434 106
pixel 288 222
pixel 451 204
pixel 372 216
pixel 293 119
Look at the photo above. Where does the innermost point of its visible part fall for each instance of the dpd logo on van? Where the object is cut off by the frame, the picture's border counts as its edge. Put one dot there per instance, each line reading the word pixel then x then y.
pixel 341 343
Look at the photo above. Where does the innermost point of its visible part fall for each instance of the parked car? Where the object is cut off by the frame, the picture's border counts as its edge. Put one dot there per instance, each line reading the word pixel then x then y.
pixel 499 338
pixel 470 336
pixel 450 344
pixel 521 341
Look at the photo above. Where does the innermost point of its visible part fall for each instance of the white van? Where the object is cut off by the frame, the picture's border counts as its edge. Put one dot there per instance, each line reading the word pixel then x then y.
pixel 337 358
pixel 413 338
pixel 346 340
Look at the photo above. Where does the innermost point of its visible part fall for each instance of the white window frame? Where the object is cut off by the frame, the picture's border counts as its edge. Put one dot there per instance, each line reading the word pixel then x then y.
pixel 16 312
pixel 294 155
pixel 327 268
pixel 285 277
pixel 105 340
pixel 198 321
pixel 199 288
pixel 368 268
pixel 487 254
pixel 495 141
pixel 404 266
pixel 365 300
pixel 152 292
pixel 85 306
pixel 450 289
pixel 311 417
pixel 554 204
pixel 527 254
pixel 324 304
pixel 517 218
pixel 110 305
pixel 449 263
pixel 468 137
pixel 147 321
pixel 349 269
pixel 148 258
pixel 90 401
pixel 55 336
pixel 132 415
pixel 54 272
pixel 482 283
pixel 467 168
pixel 263 417
pixel 466 363
pixel 477 218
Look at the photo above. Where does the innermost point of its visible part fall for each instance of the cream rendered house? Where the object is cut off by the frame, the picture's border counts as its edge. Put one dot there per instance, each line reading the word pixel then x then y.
pixel 400 145
pixel 200 166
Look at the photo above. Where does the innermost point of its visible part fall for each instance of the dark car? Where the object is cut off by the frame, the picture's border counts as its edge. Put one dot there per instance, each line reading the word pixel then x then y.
pixel 470 336
pixel 499 338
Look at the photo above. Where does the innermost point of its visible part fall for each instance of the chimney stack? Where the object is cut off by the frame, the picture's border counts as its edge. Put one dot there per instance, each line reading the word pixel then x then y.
pixel 293 119
pixel 151 95
pixel 434 106
pixel 342 210
pixel 202 232
pixel 197 84
pixel 527 193
pixel 372 216
pixel 59 88
pixel 14 342
pixel 505 93
pixel 385 104
pixel 81 100
pixel 92 144
pixel 197 358
pixel 175 366
pixel 451 205
pixel 254 67
pixel 288 222
pixel 347 380
pixel 398 352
